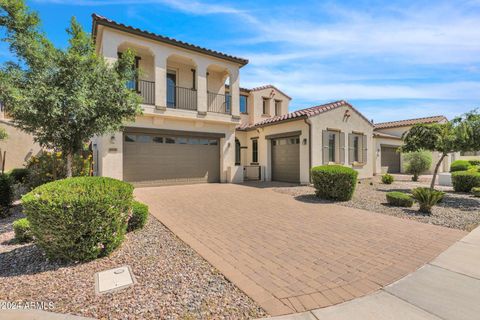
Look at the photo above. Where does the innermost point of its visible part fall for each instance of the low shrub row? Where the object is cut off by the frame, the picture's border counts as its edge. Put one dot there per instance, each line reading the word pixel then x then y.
pixel 425 197
pixel 334 182
pixel 460 165
pixel 399 199
pixel 464 181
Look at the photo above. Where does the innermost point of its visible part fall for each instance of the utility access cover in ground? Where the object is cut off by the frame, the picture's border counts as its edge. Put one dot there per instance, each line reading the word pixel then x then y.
pixel 113 279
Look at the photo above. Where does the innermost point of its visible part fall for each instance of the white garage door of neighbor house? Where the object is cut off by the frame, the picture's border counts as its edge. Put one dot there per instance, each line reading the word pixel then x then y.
pixel 170 159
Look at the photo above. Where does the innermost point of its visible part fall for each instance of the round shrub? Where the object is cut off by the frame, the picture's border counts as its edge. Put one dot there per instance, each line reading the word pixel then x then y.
pixel 139 216
pixel 464 181
pixel 460 165
pixel 6 192
pixel 79 219
pixel 334 182
pixel 19 175
pixel 399 199
pixel 417 163
pixel 23 232
pixel 387 178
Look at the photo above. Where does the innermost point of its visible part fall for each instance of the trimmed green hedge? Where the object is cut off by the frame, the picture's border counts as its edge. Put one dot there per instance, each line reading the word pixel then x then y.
pixel 79 219
pixel 399 199
pixel 464 181
pixel 387 178
pixel 6 193
pixel 474 162
pixel 139 216
pixel 19 174
pixel 22 229
pixel 334 182
pixel 460 165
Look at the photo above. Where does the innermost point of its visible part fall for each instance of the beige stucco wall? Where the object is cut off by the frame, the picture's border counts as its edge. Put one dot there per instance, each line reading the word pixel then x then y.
pixel 334 119
pixel 19 146
pixel 109 153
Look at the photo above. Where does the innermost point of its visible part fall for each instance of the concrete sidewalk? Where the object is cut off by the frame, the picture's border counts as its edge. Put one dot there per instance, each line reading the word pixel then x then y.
pixel 448 288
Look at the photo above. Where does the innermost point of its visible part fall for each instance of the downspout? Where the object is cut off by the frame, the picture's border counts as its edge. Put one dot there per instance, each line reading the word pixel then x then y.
pixel 309 124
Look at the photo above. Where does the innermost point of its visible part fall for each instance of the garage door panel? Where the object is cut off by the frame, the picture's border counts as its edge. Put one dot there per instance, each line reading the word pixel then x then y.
pixel 286 159
pixel 165 162
pixel 390 158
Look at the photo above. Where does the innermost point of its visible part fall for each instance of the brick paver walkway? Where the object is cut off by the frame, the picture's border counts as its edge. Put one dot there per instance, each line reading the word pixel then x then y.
pixel 290 256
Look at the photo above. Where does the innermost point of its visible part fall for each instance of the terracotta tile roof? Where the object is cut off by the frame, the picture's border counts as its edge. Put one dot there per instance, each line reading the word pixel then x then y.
pixel 409 122
pixel 302 113
pixel 100 20
pixel 270 86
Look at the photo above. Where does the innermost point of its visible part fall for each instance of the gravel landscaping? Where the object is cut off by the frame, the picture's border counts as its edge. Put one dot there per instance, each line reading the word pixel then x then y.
pixel 173 281
pixel 457 210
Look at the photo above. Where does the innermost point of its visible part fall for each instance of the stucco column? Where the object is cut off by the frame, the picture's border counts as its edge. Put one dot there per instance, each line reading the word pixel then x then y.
pixel 202 88
pixel 160 61
pixel 235 91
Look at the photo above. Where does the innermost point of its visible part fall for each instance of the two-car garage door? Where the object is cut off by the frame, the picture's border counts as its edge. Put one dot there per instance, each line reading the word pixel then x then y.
pixel 170 157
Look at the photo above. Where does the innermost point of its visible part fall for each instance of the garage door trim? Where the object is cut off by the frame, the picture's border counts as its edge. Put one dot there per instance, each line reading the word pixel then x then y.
pixel 179 133
pixel 291 134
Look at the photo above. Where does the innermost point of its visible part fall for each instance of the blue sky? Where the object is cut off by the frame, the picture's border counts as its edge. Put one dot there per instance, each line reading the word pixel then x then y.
pixel 391 59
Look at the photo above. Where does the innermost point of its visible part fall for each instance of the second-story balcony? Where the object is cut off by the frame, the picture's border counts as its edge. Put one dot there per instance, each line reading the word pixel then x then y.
pixel 181 98
pixel 218 103
pixel 146 89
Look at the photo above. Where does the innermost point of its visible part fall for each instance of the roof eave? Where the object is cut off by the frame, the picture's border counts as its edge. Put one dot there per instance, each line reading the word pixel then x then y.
pixel 99 21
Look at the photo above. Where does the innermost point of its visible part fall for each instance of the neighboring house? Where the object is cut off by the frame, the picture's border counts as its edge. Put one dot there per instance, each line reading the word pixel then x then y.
pixel 387 139
pixel 198 125
pixel 18 148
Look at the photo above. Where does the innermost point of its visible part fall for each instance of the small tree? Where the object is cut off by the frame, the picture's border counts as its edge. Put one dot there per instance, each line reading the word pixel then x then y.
pixel 417 162
pixel 63 97
pixel 451 136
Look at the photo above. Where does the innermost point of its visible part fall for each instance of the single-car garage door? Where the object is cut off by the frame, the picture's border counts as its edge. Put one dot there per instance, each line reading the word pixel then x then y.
pixel 170 157
pixel 286 159
pixel 390 158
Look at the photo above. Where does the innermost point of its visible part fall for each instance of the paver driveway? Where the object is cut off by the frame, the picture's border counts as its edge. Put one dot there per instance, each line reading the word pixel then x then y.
pixel 290 256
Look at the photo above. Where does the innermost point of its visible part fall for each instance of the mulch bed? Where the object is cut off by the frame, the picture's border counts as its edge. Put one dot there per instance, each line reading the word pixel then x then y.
pixel 457 210
pixel 173 281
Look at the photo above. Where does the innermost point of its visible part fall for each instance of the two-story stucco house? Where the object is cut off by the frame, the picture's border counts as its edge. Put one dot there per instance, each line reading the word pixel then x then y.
pixel 198 125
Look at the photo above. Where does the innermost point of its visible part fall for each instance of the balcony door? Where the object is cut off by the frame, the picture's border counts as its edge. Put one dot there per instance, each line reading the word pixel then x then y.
pixel 171 89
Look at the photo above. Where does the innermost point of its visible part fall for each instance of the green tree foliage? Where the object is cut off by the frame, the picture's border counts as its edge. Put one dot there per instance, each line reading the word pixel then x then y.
pixel 417 162
pixel 457 135
pixel 63 97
